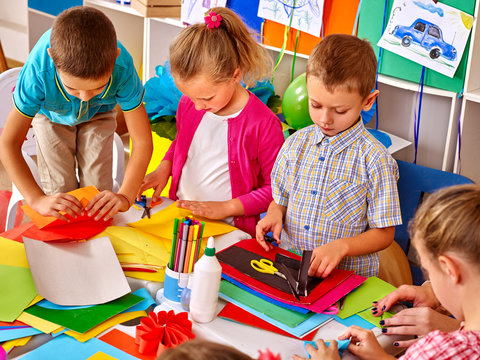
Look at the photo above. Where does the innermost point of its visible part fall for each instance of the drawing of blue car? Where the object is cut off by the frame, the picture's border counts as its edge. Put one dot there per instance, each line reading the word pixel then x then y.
pixel 428 36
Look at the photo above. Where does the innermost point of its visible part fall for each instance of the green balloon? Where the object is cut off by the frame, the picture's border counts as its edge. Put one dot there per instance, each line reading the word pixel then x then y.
pixel 295 104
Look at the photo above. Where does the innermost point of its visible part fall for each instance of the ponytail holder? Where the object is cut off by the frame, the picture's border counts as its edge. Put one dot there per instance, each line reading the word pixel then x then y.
pixel 213 20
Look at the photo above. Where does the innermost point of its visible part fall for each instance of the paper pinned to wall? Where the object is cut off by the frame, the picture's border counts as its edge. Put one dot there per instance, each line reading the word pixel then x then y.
pixel 76 273
pixel 193 11
pixel 307 14
pixel 433 35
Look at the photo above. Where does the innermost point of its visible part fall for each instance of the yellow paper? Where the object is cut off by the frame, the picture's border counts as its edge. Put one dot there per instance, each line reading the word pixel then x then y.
pixel 160 147
pixel 101 356
pixel 35 300
pixel 44 326
pixel 115 320
pixel 9 345
pixel 12 253
pixel 161 223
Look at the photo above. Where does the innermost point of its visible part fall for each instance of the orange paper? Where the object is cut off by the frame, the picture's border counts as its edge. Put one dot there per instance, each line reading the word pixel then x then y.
pixel 126 343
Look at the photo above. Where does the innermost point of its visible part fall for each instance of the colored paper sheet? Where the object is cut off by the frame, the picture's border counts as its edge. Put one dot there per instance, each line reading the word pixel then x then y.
pixel 300 331
pixel 375 320
pixel 11 334
pixel 76 273
pixel 43 325
pixel 239 315
pixel 115 320
pixel 361 299
pixel 125 343
pixel 9 345
pixel 145 303
pixel 57 348
pixel 12 253
pixel 354 320
pixel 12 323
pixel 17 282
pixel 84 319
pixel 161 223
pixel 285 316
pixel 101 356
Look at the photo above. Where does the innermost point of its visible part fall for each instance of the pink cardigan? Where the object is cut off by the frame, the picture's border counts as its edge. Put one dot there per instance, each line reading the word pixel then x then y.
pixel 254 139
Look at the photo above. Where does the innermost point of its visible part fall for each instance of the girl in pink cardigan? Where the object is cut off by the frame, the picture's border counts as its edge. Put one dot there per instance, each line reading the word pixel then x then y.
pixel 227 139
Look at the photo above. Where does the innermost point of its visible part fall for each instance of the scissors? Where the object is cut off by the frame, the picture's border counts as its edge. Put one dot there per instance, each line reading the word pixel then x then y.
pixel 146 208
pixel 266 266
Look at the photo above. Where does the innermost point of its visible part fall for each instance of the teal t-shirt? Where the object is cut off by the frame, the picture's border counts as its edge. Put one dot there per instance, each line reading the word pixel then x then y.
pixel 39 89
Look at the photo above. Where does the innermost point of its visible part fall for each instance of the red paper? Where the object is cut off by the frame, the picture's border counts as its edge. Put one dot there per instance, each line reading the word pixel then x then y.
pixel 236 313
pixel 125 343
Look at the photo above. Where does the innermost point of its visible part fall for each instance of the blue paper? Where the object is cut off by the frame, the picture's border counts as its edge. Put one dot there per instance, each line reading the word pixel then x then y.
pixel 65 346
pixel 10 334
pixel 355 320
pixel 144 304
pixel 342 346
pixel 49 305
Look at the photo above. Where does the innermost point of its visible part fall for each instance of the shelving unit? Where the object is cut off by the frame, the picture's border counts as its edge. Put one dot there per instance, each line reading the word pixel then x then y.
pixel 14 29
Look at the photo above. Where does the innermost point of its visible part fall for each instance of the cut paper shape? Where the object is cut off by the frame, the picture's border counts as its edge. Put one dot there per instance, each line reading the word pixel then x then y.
pixel 239 315
pixel 12 253
pixel 126 343
pixel 56 349
pixel 361 299
pixel 85 319
pixel 76 273
pixel 162 330
pixel 374 320
pixel 101 356
pixel 17 282
pixel 161 223
pixel 431 34
pixel 342 346
pixel 354 320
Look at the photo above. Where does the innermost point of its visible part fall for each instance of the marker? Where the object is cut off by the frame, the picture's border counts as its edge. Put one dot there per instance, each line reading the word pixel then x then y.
pixel 171 265
pixel 183 247
pixel 199 242
pixel 179 244
pixel 189 248
pixel 194 248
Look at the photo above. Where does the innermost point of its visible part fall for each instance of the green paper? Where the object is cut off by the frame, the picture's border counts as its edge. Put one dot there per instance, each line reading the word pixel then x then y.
pixel 82 320
pixel 370 26
pixel 375 320
pixel 288 317
pixel 373 289
pixel 17 289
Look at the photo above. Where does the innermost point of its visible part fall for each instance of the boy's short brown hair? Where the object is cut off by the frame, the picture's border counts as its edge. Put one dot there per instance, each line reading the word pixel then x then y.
pixel 83 43
pixel 346 61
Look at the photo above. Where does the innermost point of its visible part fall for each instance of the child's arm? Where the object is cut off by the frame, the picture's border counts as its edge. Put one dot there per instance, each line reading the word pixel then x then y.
pixel 364 344
pixel 326 257
pixel 272 221
pixel 11 141
pixel 157 179
pixel 108 203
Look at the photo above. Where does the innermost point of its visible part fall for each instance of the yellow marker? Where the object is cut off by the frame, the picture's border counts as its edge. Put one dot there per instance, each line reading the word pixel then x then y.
pixel 194 246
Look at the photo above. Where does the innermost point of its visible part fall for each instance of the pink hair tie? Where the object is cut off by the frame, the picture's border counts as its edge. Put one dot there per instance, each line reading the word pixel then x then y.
pixel 213 20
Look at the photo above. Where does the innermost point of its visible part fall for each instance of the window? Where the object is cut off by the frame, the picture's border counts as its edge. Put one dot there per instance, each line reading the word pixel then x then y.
pixel 419 26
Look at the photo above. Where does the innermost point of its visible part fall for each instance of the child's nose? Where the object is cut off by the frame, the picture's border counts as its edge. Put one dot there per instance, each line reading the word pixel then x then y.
pixel 200 106
pixel 85 95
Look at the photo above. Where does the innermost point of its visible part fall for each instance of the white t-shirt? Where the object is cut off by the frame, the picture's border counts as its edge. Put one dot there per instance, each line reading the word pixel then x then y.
pixel 205 175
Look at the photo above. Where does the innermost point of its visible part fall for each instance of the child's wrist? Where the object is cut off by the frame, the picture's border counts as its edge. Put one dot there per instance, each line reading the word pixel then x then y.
pixel 127 200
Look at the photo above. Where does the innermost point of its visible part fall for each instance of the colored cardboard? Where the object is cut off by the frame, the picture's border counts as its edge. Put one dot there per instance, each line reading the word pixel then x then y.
pixel 17 282
pixel 12 253
pixel 124 342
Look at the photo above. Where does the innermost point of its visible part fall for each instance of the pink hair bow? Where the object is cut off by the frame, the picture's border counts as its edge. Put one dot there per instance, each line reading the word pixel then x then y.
pixel 157 332
pixel 213 20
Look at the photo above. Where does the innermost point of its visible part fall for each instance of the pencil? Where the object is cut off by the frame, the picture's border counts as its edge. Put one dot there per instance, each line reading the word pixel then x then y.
pixel 171 265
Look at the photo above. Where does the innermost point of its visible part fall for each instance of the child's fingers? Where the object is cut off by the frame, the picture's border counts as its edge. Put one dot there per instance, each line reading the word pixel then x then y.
pixel 404 344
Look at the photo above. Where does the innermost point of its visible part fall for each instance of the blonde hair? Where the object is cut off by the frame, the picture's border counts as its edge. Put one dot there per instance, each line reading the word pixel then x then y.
pixel 218 52
pixel 449 220
pixel 344 61
pixel 202 350
pixel 83 43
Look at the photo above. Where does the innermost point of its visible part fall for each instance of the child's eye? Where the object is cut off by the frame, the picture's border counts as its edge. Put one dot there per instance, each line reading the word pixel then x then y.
pixel 340 112
pixel 315 106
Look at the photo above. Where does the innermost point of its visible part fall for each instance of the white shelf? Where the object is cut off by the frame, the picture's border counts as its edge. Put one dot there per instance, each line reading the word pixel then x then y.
pixel 113 5
pixel 473 95
pixel 408 85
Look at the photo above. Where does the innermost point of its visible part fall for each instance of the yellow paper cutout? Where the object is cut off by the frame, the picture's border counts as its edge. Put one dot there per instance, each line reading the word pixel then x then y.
pixel 101 356
pixel 44 326
pixel 9 345
pixel 161 223
pixel 12 253
pixel 107 324
pixel 35 300
pixel 82 194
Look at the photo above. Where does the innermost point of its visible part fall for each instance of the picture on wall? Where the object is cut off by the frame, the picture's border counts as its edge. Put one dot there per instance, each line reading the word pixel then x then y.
pixel 307 14
pixel 433 35
pixel 193 11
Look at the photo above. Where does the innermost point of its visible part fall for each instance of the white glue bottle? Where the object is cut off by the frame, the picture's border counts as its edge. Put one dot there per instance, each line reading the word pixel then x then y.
pixel 206 284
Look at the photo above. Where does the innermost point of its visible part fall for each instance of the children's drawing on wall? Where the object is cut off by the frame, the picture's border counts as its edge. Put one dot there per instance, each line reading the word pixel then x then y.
pixel 433 35
pixel 193 11
pixel 307 14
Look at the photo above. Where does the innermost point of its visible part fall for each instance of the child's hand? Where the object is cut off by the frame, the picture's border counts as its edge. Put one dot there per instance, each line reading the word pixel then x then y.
pixel 215 210
pixel 322 352
pixel 105 205
pixel 325 258
pixel 157 180
pixel 272 223
pixel 364 344
pixel 51 205
pixel 420 296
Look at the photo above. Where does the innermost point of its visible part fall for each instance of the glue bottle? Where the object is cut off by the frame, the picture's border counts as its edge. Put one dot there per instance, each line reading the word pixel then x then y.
pixel 206 285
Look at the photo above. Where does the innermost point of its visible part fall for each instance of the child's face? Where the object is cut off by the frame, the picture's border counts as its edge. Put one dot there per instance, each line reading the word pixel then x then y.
pixel 216 97
pixel 84 89
pixel 334 112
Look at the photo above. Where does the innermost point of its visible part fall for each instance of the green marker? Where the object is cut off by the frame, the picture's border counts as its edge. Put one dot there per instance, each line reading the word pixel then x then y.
pixel 199 242
pixel 174 244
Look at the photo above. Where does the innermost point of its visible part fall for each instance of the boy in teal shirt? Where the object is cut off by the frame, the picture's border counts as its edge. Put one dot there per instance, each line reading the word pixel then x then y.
pixel 67 90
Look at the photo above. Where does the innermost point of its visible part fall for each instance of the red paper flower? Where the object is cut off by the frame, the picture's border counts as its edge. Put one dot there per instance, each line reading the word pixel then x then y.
pixel 213 20
pixel 268 355
pixel 157 332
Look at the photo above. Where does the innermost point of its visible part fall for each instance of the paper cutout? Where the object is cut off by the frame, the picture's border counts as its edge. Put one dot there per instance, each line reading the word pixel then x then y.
pixel 12 253
pixel 85 319
pixel 162 330
pixel 361 299
pixel 101 356
pixel 126 343
pixel 237 314
pixel 374 320
pixel 342 346
pixel 161 223
pixel 58 347
pixel 354 320
pixel 433 35
pixel 76 273
pixel 17 282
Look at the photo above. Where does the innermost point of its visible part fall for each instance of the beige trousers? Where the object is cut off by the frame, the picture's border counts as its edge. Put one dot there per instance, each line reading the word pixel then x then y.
pixel 85 149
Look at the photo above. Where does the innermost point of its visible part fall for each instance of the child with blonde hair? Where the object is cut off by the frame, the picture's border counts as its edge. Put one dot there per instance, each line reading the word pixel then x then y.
pixel 446 234
pixel 227 139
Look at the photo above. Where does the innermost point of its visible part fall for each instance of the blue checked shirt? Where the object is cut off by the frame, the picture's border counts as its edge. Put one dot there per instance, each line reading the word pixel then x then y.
pixel 335 187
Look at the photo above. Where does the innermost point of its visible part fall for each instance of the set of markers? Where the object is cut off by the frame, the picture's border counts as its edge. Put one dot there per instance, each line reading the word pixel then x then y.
pixel 186 243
